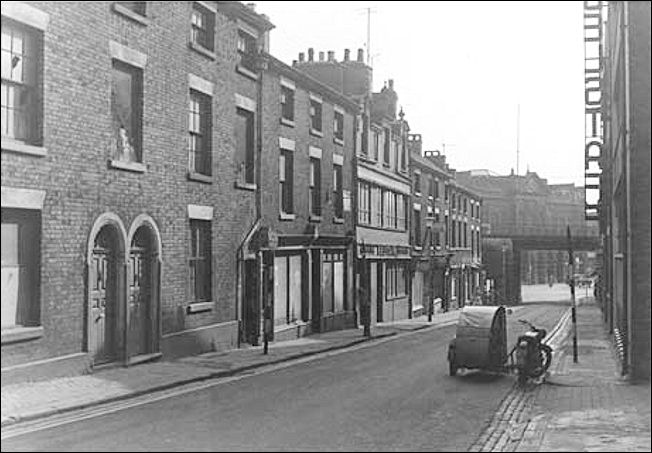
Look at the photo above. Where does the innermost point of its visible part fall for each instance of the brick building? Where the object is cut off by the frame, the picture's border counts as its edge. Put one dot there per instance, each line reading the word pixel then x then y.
pixel 619 100
pixel 383 184
pixel 298 259
pixel 124 195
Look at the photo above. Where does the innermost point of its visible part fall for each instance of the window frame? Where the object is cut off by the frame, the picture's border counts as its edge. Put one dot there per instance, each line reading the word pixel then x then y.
pixel 200 251
pixel 31 141
pixel 136 111
pixel 202 35
pixel 205 115
pixel 314 189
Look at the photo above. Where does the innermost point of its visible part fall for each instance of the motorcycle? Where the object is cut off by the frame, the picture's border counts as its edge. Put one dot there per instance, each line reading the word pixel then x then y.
pixel 533 357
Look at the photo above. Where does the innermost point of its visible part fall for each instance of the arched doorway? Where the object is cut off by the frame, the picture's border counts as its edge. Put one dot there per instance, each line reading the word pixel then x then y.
pixel 104 277
pixel 143 285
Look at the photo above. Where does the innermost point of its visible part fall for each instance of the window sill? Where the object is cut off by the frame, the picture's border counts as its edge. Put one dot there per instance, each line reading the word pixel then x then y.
pixel 392 298
pixel 202 50
pixel 339 220
pixel 316 133
pixel 338 141
pixel 245 186
pixel 417 193
pixel 200 307
pixel 287 122
pixel 129 14
pixel 314 218
pixel 199 177
pixel 19 333
pixel 246 72
pixel 286 216
pixel 136 167
pixel 9 144
pixel 418 248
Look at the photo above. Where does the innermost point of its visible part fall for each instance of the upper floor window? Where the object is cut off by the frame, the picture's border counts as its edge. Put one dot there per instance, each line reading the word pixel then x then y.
pixel 287 103
pixel 376 135
pixel 245 144
pixel 364 203
pixel 417 240
pixel 338 125
pixel 286 181
pixel 21 77
pixel 126 108
pixel 338 192
pixel 202 22
pixel 315 187
pixel 386 154
pixel 431 187
pixel 315 115
pixel 247 49
pixel 199 129
pixel 417 183
pixel 136 7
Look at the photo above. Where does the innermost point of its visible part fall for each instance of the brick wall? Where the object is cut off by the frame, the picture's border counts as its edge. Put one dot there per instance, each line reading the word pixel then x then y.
pixel 639 16
pixel 80 186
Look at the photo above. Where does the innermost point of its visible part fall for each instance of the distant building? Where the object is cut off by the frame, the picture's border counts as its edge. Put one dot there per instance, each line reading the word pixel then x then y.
pixel 446 234
pixel 527 207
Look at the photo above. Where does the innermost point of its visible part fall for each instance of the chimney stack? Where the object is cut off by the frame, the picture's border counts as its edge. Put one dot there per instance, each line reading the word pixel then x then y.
pixel 311 54
pixel 391 84
pixel 347 54
pixel 302 56
pixel 321 55
pixel 331 56
pixel 361 55
pixel 251 6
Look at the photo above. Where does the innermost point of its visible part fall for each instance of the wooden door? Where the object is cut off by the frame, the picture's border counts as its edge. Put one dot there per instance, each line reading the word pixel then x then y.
pixel 102 305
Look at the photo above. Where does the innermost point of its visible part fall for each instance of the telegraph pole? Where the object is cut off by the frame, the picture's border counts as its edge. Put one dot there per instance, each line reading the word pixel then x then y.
pixel 571 282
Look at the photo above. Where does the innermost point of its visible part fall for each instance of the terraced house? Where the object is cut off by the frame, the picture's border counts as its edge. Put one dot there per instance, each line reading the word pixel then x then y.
pixel 127 182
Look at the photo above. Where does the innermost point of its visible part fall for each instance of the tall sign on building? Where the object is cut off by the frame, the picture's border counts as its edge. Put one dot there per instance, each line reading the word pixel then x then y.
pixel 593 125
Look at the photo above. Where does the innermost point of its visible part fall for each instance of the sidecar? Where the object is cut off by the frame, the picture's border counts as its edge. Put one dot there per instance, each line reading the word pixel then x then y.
pixel 480 340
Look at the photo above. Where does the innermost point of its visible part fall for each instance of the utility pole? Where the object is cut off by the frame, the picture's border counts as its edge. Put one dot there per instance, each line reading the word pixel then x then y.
pixel 518 135
pixel 571 282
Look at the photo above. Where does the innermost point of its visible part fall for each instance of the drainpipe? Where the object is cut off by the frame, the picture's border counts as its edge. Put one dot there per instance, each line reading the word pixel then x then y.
pixel 628 215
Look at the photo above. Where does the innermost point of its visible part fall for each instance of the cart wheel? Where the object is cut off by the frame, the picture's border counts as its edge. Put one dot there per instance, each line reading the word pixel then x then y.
pixel 452 369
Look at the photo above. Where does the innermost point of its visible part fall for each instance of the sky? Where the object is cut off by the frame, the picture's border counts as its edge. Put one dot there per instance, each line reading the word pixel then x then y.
pixel 463 71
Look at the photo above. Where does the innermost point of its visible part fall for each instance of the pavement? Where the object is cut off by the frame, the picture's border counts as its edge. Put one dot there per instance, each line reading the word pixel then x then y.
pixel 31 401
pixel 583 406
pixel 586 405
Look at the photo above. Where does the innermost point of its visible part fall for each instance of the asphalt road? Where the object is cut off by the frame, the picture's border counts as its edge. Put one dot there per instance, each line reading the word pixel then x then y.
pixel 393 396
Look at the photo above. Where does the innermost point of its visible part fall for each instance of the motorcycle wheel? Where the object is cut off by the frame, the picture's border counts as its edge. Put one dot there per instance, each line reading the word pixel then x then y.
pixel 547 357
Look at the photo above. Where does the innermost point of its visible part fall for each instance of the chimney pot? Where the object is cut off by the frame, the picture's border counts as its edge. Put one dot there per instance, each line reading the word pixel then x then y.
pixel 321 55
pixel 302 56
pixel 361 55
pixel 311 54
pixel 347 54
pixel 331 55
